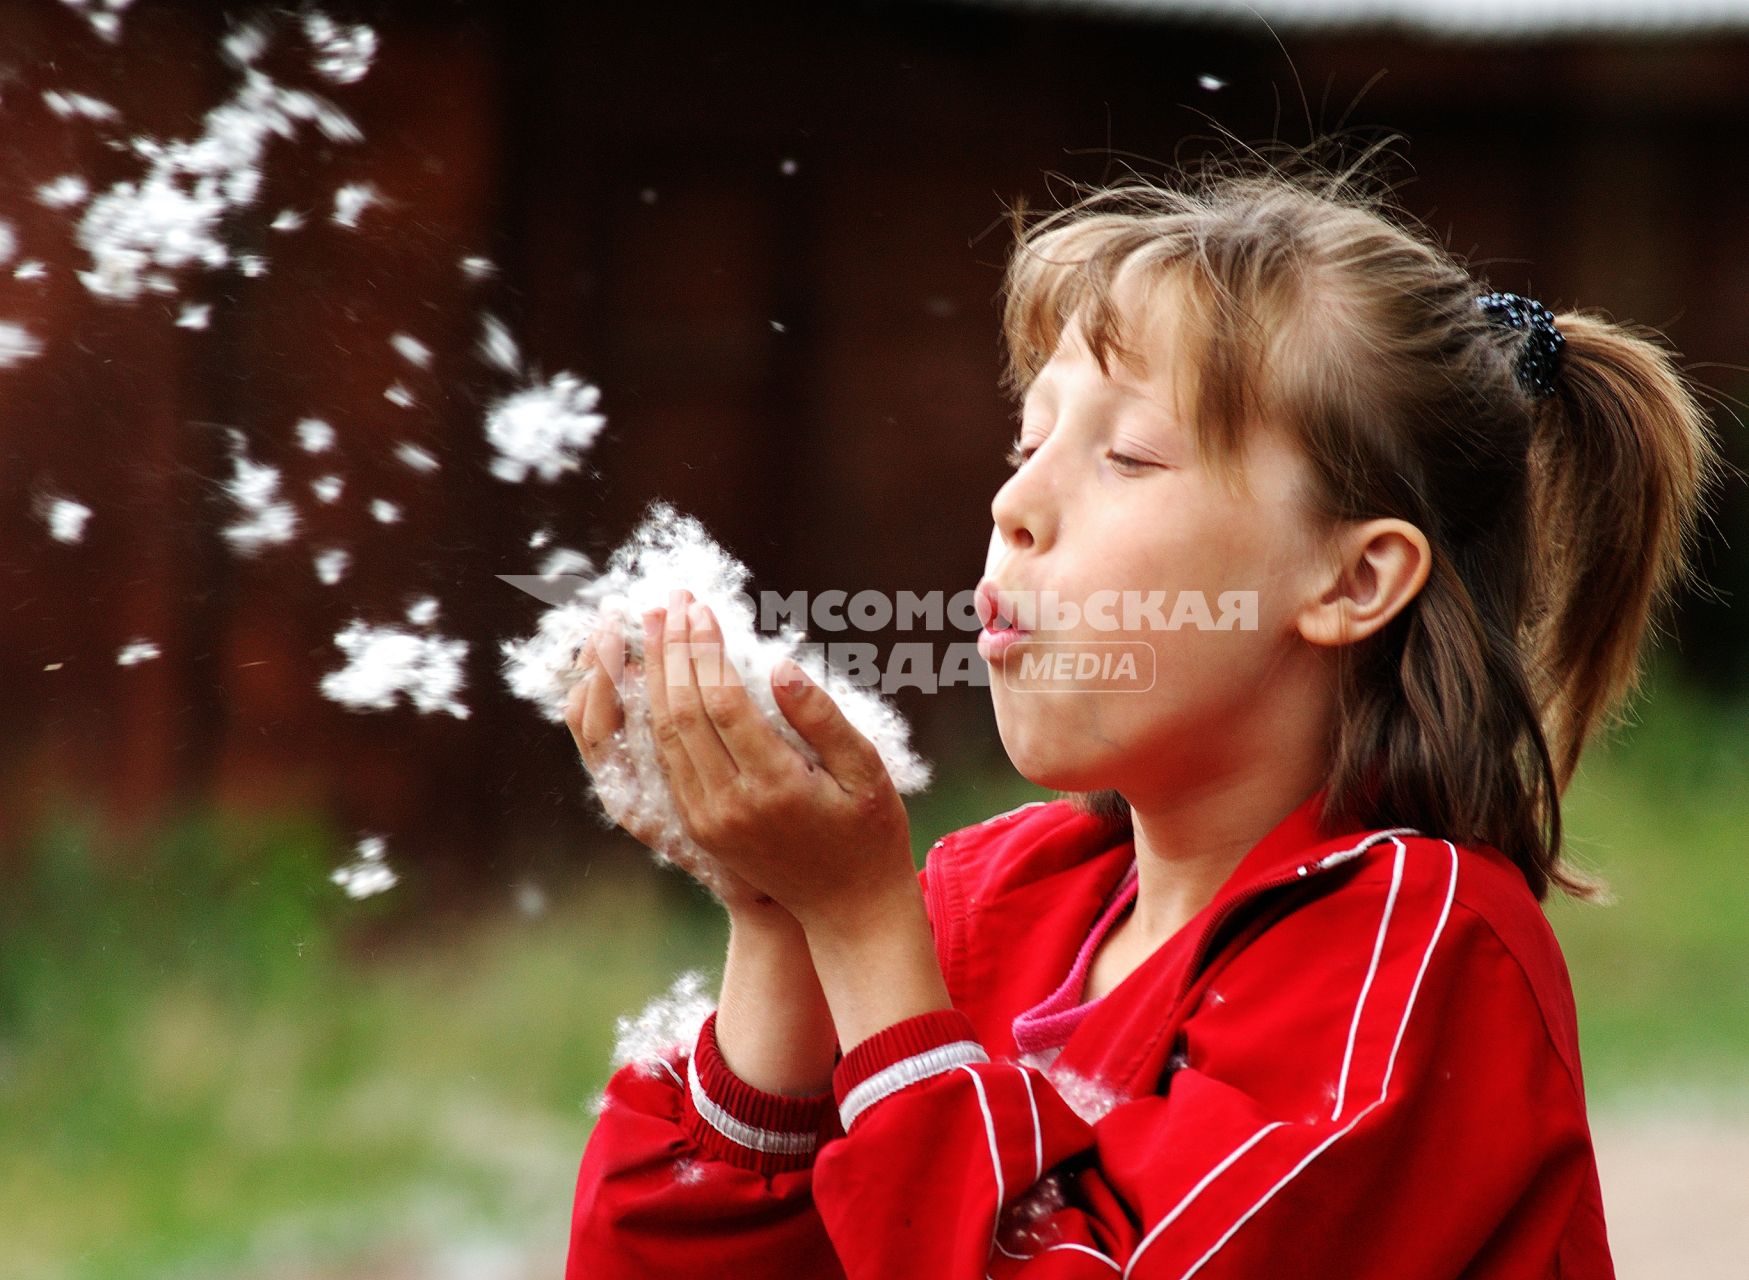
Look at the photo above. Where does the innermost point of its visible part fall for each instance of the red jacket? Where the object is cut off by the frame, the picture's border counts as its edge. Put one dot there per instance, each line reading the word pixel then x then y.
pixel 1359 1062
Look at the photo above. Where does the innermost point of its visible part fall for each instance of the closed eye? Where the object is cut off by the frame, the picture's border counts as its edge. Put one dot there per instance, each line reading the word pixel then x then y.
pixel 1018 456
pixel 1126 463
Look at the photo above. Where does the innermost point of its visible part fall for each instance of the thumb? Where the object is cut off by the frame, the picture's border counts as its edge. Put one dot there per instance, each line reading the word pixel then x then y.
pixel 848 756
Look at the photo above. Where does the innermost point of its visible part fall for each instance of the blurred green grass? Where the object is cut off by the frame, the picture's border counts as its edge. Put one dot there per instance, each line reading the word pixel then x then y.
pixel 1661 976
pixel 215 1061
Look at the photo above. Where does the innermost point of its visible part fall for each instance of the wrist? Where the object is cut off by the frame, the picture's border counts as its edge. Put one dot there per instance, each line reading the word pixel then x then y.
pixel 763 920
pixel 879 969
pixel 744 1125
pixel 774 1028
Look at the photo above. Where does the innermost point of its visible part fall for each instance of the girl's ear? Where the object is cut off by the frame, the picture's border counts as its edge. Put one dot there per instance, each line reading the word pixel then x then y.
pixel 1380 566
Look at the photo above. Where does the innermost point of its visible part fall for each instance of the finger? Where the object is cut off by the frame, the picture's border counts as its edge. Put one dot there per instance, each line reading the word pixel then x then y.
pixel 710 758
pixel 847 755
pixel 603 714
pixel 743 731
pixel 670 745
pixel 577 702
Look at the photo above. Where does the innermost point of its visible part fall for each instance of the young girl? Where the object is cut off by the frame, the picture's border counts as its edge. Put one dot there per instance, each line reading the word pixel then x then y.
pixel 1269 991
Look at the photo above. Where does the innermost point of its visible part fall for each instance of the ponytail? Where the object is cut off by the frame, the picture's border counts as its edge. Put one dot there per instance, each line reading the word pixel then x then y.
pixel 1620 459
pixel 1469 716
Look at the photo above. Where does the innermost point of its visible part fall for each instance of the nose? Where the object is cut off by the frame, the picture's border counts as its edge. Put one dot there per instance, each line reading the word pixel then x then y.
pixel 1019 508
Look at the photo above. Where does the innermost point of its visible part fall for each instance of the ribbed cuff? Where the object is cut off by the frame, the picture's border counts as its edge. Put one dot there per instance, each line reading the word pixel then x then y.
pixel 905 1053
pixel 734 1122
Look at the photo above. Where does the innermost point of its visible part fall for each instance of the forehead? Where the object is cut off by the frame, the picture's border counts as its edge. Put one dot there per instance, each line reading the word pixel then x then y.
pixel 1155 342
pixel 1144 340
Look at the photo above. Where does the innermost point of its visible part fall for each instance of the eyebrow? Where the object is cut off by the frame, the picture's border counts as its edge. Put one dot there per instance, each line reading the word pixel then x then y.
pixel 1042 384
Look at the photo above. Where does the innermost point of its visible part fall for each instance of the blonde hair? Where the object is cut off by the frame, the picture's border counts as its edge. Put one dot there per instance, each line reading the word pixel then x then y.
pixel 1559 527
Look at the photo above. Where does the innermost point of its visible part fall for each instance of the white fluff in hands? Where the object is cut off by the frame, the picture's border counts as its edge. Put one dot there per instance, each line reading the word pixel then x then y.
pixel 667 552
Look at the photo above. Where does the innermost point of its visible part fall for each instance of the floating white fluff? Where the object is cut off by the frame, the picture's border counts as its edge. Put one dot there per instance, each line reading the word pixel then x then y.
pixel 194 315
pixel 63 192
pixel 286 220
pixel 670 551
pixel 171 217
pixel 564 562
pixel 8 242
pixel 413 456
pixel 17 344
pixel 68 105
pixel 315 436
pixel 410 349
pixel 65 518
pixel 351 200
pixel 103 15
pixel 135 652
pixel 668 1025
pixel 267 518
pixel 544 429
pixel 383 511
pixel 30 269
pixel 327 488
pixel 369 873
pixel 399 395
pixel 343 54
pixel 475 267
pixel 497 347
pixel 331 565
pixel 385 663
pixel 245 44
pixel 423 611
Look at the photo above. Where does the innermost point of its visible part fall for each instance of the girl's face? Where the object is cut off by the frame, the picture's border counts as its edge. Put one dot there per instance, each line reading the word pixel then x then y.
pixel 1110 504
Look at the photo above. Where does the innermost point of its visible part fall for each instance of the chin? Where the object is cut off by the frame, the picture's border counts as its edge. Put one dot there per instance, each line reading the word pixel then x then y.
pixel 1033 758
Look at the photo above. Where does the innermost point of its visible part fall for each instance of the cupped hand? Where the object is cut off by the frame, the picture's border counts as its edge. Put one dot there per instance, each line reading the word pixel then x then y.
pixel 828 839
pixel 595 714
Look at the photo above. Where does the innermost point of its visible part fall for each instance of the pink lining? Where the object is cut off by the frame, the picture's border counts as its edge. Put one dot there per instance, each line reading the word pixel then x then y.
pixel 1049 1023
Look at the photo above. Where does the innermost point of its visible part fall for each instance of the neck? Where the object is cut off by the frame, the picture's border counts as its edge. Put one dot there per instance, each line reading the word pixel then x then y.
pixel 1189 840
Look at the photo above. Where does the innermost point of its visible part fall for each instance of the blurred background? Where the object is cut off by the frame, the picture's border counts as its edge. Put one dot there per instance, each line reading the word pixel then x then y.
pixel 773 236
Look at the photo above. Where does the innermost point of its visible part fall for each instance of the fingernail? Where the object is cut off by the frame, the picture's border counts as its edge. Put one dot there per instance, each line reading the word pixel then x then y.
pixel 696 615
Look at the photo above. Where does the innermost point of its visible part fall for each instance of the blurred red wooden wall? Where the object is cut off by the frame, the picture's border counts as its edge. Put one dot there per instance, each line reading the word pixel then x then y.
pixel 774 237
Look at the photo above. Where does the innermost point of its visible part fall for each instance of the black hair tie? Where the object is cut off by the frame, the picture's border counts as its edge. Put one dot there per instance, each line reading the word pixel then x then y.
pixel 1539 360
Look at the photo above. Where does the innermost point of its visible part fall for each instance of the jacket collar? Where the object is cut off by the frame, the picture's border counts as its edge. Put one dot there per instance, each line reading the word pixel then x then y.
pixel 1298 846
